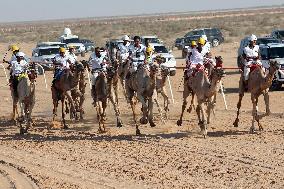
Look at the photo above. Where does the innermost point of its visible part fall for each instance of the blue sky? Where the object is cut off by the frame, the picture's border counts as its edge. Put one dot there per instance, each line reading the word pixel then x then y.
pixel 29 10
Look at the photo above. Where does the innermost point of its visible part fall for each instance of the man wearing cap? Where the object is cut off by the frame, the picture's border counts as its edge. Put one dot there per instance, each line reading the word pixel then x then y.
pixel 71 55
pixel 137 54
pixel 18 67
pixel 61 62
pixel 98 63
pixel 123 50
pixel 251 56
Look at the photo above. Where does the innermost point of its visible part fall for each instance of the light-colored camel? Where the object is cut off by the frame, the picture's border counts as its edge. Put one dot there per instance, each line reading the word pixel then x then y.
pixel 204 89
pixel 26 99
pixel 143 83
pixel 103 93
pixel 61 89
pixel 162 75
pixel 78 93
pixel 258 84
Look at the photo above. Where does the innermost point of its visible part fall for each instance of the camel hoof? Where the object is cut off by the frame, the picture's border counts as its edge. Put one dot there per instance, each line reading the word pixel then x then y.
pixel 119 124
pixel 143 121
pixel 236 123
pixel 252 130
pixel 138 133
pixel 179 122
pixel 22 131
pixel 152 124
pixel 260 128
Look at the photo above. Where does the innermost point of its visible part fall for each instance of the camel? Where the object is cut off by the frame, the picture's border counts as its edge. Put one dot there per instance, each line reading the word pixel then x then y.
pixel 204 89
pixel 143 83
pixel 61 88
pixel 78 93
pixel 258 84
pixel 103 93
pixel 26 99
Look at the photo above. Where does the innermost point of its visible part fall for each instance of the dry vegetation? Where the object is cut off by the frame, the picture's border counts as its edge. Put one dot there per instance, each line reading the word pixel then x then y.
pixel 234 25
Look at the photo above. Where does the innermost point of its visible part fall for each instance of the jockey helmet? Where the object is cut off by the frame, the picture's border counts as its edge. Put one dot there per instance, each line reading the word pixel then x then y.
pixel 15 48
pixel 252 37
pixel 62 50
pixel 20 54
pixel 125 38
pixel 193 43
pixel 201 41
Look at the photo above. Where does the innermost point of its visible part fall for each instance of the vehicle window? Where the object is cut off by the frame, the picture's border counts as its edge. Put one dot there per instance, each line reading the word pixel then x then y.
pixel 152 40
pixel 208 32
pixel 266 41
pixel 72 40
pixel 161 49
pixel 277 52
pixel 50 51
pixel 263 53
pixel 281 33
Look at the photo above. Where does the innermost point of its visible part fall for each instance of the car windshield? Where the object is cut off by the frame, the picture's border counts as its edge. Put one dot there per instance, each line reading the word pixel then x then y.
pixel 161 49
pixel 152 40
pixel 48 51
pixel 266 41
pixel 277 52
pixel 281 33
pixel 72 40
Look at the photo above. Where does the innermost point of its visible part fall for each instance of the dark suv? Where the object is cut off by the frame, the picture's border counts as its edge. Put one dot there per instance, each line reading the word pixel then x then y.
pixel 214 35
pixel 278 34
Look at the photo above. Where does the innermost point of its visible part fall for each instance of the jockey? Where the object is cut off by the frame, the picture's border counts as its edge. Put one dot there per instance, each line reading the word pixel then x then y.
pixel 98 62
pixel 71 55
pixel 137 54
pixel 195 61
pixel 206 51
pixel 251 56
pixel 15 49
pixel 149 55
pixel 18 67
pixel 123 50
pixel 61 62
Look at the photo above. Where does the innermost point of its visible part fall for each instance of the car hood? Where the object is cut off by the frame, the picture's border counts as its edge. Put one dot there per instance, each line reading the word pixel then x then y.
pixel 165 55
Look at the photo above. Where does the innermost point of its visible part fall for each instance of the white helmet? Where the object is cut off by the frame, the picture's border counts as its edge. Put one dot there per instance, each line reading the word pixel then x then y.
pixel 252 37
pixel 20 54
pixel 204 37
pixel 125 38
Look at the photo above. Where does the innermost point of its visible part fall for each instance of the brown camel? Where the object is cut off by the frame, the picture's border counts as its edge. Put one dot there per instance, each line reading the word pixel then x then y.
pixel 143 83
pixel 61 88
pixel 204 89
pixel 78 93
pixel 258 84
pixel 103 93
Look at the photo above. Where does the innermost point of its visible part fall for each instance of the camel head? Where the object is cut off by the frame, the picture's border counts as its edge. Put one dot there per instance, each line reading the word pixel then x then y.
pixel 85 64
pixel 219 61
pixel 165 71
pixel 274 65
pixel 218 73
pixel 154 68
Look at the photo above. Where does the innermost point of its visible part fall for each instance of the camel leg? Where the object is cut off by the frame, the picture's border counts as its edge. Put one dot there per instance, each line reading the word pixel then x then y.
pixel 192 106
pixel 150 108
pixel 204 124
pixel 63 112
pixel 103 115
pixel 241 95
pixel 82 99
pixel 198 111
pixel 72 106
pixel 144 119
pixel 99 116
pixel 210 107
pixel 159 109
pixel 186 93
pixel 166 101
pixel 117 113
pixel 254 113
pixel 132 103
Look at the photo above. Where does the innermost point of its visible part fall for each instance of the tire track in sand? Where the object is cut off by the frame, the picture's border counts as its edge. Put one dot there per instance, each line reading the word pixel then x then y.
pixel 12 178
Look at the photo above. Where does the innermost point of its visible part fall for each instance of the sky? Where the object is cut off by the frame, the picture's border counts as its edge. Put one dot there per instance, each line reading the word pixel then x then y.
pixel 31 10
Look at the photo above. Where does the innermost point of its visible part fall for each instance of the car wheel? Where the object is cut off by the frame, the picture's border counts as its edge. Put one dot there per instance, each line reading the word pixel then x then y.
pixel 215 42
pixel 276 85
pixel 83 54
pixel 172 72
pixel 40 71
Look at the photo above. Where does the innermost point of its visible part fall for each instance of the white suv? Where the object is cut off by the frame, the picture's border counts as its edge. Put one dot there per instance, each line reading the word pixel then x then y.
pixel 151 39
pixel 274 51
pixel 170 63
pixel 44 56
